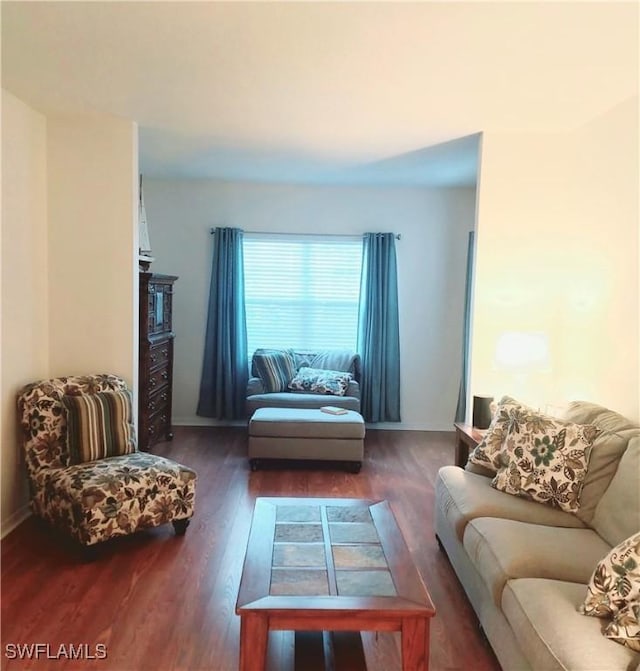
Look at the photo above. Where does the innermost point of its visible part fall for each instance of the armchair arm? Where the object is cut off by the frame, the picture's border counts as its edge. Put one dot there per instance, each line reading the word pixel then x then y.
pixel 255 386
pixel 353 389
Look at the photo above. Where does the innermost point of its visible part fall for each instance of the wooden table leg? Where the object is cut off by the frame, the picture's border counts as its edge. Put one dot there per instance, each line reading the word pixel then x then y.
pixel 415 644
pixel 462 449
pixel 254 631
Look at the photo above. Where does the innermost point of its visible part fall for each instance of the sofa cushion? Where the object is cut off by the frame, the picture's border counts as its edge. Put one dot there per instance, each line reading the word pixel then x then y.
pixel 303 423
pixel 337 359
pixel 583 412
pixel 553 635
pixel 617 514
pixel 320 381
pixel 502 550
pixel 303 357
pixel 464 496
pixel 479 470
pixel 297 399
pixel 97 500
pixel 606 451
pixel 255 386
pixel 275 368
pixel 545 460
pixel 99 425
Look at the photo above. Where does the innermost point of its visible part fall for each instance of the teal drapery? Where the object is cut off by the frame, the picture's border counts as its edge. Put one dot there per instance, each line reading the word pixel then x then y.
pixel 225 367
pixel 378 330
pixel 461 409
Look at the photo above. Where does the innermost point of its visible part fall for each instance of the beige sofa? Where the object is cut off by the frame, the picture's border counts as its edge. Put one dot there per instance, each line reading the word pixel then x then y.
pixel 525 566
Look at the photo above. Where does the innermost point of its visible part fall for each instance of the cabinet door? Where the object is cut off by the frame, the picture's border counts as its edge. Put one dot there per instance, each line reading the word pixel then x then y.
pixel 159 311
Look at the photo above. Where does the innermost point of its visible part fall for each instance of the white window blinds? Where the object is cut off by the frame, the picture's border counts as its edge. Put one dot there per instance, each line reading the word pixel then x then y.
pixel 301 291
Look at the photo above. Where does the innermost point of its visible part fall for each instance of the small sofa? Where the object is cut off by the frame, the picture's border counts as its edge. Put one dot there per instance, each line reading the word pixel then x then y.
pixel 258 396
pixel 525 566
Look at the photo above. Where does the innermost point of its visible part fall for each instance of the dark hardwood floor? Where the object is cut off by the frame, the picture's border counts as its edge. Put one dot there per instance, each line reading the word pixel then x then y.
pixel 165 603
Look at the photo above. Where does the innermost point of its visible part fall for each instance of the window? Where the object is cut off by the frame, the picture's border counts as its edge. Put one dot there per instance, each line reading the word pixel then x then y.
pixel 302 291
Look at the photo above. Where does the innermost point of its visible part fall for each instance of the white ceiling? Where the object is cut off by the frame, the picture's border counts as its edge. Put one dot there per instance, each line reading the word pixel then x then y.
pixel 351 92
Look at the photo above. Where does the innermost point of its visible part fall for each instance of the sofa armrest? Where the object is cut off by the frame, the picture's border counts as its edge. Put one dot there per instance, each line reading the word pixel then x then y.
pixel 255 386
pixel 353 389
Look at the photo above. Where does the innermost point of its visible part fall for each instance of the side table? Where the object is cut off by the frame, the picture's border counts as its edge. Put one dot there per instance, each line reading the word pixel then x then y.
pixel 467 437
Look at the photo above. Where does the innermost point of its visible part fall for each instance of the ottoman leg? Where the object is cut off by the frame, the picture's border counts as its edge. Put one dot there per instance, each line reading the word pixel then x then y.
pixel 354 466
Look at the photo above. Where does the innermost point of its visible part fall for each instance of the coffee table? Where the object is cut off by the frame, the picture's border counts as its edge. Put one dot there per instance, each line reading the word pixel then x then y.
pixel 333 565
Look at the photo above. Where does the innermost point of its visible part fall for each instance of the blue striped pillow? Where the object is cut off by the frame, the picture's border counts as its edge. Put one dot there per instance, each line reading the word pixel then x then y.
pixel 275 368
pixel 99 425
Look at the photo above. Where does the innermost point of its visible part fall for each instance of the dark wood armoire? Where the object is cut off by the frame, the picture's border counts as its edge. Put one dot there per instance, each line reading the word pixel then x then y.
pixel 156 359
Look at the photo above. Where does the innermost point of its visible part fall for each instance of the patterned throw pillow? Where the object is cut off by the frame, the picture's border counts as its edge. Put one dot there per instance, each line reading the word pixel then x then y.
pixel 615 580
pixel 320 381
pixel 614 591
pixel 99 425
pixel 275 368
pixel 487 452
pixel 625 626
pixel 545 460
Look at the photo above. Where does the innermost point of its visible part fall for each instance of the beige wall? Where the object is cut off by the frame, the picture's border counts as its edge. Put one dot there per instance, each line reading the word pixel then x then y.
pixel 92 176
pixel 69 261
pixel 434 224
pixel 557 253
pixel 25 317
pixel 607 305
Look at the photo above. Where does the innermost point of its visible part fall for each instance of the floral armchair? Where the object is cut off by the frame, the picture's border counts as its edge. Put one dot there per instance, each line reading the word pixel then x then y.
pixel 98 499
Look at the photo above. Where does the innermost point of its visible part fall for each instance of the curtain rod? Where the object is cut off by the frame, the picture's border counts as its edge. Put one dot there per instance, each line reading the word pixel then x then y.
pixel 333 235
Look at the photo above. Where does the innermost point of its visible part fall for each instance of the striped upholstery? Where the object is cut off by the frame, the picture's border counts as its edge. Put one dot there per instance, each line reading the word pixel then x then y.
pixel 99 425
pixel 275 368
pixel 96 500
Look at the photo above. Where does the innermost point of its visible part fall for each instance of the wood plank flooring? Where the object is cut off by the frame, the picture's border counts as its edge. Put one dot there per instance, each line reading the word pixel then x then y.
pixel 158 602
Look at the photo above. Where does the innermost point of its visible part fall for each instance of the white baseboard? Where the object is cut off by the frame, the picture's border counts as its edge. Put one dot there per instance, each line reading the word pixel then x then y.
pixel 406 426
pixel 204 421
pixel 14 520
pixel 386 426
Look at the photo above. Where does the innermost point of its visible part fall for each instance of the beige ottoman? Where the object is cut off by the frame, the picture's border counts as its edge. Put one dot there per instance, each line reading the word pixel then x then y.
pixel 296 433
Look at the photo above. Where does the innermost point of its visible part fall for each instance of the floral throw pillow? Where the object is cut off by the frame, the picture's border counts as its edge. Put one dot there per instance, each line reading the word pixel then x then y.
pixel 625 626
pixel 545 460
pixel 320 381
pixel 615 580
pixel 614 591
pixel 487 452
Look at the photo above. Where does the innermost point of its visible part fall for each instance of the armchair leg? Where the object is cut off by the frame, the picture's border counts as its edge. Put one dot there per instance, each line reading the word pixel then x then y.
pixel 180 526
pixel 89 553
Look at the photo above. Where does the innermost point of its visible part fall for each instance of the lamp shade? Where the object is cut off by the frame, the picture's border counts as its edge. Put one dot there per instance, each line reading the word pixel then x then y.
pixel 522 351
pixel 482 411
